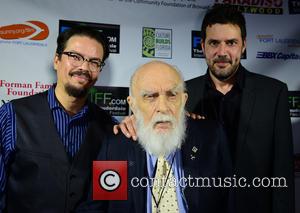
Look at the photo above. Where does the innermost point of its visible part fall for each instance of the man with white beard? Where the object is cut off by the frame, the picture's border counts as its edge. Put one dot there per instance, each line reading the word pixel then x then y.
pixel 172 150
pixel 158 142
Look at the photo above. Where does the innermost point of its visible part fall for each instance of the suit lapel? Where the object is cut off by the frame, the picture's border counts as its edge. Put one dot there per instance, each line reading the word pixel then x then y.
pixel 246 110
pixel 190 151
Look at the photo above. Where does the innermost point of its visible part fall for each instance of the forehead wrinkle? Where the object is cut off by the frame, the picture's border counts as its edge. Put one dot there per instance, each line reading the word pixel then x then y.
pixel 176 88
pixel 146 92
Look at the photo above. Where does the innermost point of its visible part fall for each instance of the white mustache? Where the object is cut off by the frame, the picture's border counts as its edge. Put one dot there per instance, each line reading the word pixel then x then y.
pixel 162 118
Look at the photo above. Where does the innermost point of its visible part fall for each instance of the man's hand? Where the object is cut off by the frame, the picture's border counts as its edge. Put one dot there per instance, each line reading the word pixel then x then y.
pixel 127 126
pixel 194 116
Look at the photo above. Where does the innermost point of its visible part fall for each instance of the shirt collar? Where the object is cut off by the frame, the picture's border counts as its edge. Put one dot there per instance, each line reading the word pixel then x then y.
pixel 153 159
pixel 53 103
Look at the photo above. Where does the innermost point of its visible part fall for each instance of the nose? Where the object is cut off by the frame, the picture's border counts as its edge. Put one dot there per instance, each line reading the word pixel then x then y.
pixel 221 49
pixel 162 104
pixel 85 65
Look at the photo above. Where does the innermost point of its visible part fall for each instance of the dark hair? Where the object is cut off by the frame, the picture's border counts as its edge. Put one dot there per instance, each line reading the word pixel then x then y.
pixel 223 14
pixel 64 37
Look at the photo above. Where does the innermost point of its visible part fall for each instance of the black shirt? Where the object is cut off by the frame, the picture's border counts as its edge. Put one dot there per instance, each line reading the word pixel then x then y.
pixel 225 108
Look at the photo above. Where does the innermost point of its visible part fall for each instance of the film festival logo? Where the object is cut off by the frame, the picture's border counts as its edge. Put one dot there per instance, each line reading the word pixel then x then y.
pixel 157 43
pixel 294 103
pixel 111 99
pixel 197 51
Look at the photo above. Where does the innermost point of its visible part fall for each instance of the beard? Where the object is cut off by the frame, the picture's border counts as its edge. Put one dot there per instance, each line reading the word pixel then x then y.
pixel 161 143
pixel 226 73
pixel 75 91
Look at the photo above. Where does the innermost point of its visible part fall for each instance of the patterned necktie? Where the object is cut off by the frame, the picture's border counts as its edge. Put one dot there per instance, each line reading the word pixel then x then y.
pixel 164 189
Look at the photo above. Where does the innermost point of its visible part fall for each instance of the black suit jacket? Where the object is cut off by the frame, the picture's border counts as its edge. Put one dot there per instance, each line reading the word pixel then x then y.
pixel 211 160
pixel 264 141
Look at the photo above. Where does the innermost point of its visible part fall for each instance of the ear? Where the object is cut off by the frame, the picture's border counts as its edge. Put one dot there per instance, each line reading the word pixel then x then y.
pixel 56 61
pixel 244 46
pixel 203 46
pixel 184 98
pixel 130 101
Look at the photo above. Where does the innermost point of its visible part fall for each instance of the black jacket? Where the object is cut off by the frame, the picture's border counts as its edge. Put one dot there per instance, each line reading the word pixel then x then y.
pixel 211 160
pixel 264 145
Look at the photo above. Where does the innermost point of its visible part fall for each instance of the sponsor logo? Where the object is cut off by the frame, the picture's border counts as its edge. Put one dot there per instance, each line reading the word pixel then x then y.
pixel 110 180
pixel 197 51
pixel 294 103
pixel 110 31
pixel 278 55
pixel 29 33
pixel 157 43
pixel 268 7
pixel 21 89
pixel 294 6
pixel 30 30
pixel 111 99
pixel 270 39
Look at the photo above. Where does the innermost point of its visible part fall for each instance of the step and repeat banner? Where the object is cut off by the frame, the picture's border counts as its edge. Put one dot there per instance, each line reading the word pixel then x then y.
pixel 139 31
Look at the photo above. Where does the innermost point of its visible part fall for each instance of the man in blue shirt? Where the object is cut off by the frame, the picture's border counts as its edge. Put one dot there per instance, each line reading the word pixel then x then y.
pixel 174 153
pixel 48 141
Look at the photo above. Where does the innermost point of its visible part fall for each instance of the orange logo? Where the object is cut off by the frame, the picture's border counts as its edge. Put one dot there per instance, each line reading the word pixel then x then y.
pixel 32 30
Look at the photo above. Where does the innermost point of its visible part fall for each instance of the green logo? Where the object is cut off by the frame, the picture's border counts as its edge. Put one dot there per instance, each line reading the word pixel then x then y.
pixel 148 42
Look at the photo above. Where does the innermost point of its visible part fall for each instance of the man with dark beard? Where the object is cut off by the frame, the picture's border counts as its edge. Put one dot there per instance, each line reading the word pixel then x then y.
pixel 48 141
pixel 170 149
pixel 253 110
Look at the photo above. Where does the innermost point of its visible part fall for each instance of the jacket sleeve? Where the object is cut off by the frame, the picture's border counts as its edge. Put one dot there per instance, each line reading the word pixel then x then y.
pixel 283 197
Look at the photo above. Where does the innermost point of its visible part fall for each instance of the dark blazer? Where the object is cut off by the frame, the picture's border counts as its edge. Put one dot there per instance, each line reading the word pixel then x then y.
pixel 264 141
pixel 211 160
pixel 41 177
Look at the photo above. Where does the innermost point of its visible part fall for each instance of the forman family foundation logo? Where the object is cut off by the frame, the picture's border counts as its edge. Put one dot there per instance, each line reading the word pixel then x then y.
pixel 31 30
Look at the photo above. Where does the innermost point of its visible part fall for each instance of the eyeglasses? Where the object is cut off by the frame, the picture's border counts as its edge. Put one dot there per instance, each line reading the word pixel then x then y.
pixel 77 60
